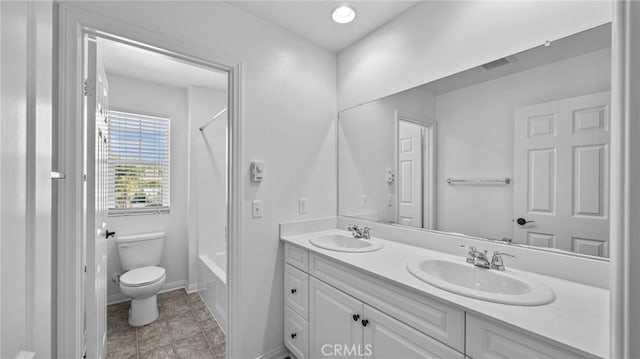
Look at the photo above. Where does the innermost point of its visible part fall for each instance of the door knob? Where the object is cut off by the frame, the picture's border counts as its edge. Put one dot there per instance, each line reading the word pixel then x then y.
pixel 109 234
pixel 356 317
pixel 521 221
pixel 293 335
pixel 293 291
pixel 365 322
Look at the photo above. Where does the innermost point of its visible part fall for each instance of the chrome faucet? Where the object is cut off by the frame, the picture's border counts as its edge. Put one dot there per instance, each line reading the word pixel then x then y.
pixel 360 232
pixel 477 258
pixel 496 260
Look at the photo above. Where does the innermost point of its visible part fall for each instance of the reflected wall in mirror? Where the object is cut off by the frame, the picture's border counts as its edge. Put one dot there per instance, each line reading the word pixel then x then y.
pixel 514 150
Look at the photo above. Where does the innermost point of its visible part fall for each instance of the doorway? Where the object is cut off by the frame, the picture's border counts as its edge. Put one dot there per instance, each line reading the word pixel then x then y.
pixel 415 168
pixel 157 189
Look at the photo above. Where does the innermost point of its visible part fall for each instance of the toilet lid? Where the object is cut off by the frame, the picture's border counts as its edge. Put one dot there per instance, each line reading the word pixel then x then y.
pixel 142 276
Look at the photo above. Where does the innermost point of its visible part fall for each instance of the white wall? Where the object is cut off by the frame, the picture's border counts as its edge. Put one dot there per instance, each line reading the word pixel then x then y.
pixel 475 138
pixel 435 39
pixel 288 113
pixel 367 148
pixel 137 96
pixel 208 207
pixel 26 301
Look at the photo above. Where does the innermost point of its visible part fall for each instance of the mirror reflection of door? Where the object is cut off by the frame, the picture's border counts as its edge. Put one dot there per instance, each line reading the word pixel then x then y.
pixel 415 171
pixel 561 171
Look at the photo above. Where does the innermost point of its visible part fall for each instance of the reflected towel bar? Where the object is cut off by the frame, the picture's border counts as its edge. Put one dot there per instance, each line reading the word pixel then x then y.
pixel 505 180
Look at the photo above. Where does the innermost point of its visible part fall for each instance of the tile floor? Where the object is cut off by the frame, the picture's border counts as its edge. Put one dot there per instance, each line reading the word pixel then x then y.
pixel 185 329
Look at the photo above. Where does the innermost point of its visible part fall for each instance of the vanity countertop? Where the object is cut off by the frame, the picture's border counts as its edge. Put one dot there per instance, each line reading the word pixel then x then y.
pixel 578 318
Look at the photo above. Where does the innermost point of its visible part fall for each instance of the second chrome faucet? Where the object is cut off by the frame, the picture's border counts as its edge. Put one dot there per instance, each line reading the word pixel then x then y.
pixel 360 232
pixel 479 259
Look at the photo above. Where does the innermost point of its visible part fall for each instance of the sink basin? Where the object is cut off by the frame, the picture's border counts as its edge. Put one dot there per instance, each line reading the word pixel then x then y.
pixel 343 243
pixel 485 284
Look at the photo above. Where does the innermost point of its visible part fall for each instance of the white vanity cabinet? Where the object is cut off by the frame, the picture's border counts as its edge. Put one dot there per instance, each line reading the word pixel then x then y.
pixel 341 322
pixel 335 310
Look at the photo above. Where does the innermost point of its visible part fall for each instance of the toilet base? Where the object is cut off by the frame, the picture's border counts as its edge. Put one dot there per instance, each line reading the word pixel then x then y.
pixel 143 311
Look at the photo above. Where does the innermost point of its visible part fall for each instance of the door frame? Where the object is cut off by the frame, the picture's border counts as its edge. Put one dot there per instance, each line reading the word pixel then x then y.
pixel 428 163
pixel 68 134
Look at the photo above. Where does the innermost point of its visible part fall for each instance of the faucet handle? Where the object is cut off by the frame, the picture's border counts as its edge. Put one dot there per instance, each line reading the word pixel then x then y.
pixel 496 260
pixel 470 248
pixel 471 254
pixel 499 253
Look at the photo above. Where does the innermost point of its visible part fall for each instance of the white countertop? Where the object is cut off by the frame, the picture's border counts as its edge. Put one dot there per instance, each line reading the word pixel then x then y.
pixel 578 318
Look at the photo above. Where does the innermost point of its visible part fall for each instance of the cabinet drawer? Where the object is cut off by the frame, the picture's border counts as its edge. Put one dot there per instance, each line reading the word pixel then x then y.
pixel 487 339
pixel 297 257
pixel 430 316
pixel 296 290
pixel 296 334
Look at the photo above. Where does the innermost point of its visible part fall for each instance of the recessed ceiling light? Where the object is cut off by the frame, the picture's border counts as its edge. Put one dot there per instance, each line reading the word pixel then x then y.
pixel 343 14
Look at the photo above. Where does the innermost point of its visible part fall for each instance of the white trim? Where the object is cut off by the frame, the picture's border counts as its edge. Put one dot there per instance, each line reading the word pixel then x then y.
pixel 192 287
pixel 69 208
pixel 234 212
pixel 167 287
pixel 625 175
pixel 277 353
pixel 25 355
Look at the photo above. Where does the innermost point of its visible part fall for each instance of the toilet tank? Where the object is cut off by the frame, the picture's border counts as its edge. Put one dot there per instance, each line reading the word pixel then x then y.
pixel 141 250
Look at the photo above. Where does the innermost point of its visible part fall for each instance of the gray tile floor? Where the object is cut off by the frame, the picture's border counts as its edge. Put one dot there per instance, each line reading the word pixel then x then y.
pixel 185 329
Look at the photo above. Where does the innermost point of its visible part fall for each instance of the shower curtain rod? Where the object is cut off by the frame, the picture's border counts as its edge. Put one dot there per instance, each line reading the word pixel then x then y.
pixel 212 119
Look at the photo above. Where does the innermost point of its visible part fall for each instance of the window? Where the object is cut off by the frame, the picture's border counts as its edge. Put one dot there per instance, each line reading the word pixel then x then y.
pixel 138 164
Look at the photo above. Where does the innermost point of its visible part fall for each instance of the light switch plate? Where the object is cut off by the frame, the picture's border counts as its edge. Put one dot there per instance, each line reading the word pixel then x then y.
pixel 256 209
pixel 302 206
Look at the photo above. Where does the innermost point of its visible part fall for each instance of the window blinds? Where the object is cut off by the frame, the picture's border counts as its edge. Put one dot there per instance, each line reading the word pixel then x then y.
pixel 138 163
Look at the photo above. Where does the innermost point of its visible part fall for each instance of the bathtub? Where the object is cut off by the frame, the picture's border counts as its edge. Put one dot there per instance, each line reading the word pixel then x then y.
pixel 212 285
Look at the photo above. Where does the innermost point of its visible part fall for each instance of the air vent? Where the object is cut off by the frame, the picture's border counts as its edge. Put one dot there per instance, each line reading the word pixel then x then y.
pixel 499 62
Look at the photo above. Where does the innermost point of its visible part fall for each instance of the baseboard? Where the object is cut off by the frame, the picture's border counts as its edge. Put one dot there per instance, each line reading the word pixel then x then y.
pixel 25 355
pixel 277 353
pixel 167 287
pixel 192 287
pixel 222 325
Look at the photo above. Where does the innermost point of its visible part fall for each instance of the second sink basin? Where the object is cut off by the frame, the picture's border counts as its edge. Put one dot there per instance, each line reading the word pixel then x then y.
pixel 485 284
pixel 343 243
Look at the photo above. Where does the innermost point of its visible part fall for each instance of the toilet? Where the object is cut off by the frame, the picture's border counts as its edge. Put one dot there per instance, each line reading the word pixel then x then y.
pixel 140 256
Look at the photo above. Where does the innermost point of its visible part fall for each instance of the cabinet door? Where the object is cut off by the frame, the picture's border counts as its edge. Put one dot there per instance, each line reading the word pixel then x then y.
pixel 388 338
pixel 333 330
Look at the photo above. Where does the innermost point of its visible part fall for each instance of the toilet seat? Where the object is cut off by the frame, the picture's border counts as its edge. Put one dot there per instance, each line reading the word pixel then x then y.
pixel 143 276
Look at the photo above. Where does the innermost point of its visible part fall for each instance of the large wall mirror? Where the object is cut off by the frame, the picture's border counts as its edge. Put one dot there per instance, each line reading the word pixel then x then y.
pixel 515 150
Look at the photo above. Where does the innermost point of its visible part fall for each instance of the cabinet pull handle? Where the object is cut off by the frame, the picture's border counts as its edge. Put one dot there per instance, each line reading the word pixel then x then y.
pixel 293 291
pixel 356 317
pixel 365 322
pixel 293 335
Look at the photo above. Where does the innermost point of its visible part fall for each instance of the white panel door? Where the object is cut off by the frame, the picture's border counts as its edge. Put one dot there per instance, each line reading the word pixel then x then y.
pixel 410 174
pixel 334 321
pixel 95 196
pixel 388 338
pixel 561 174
